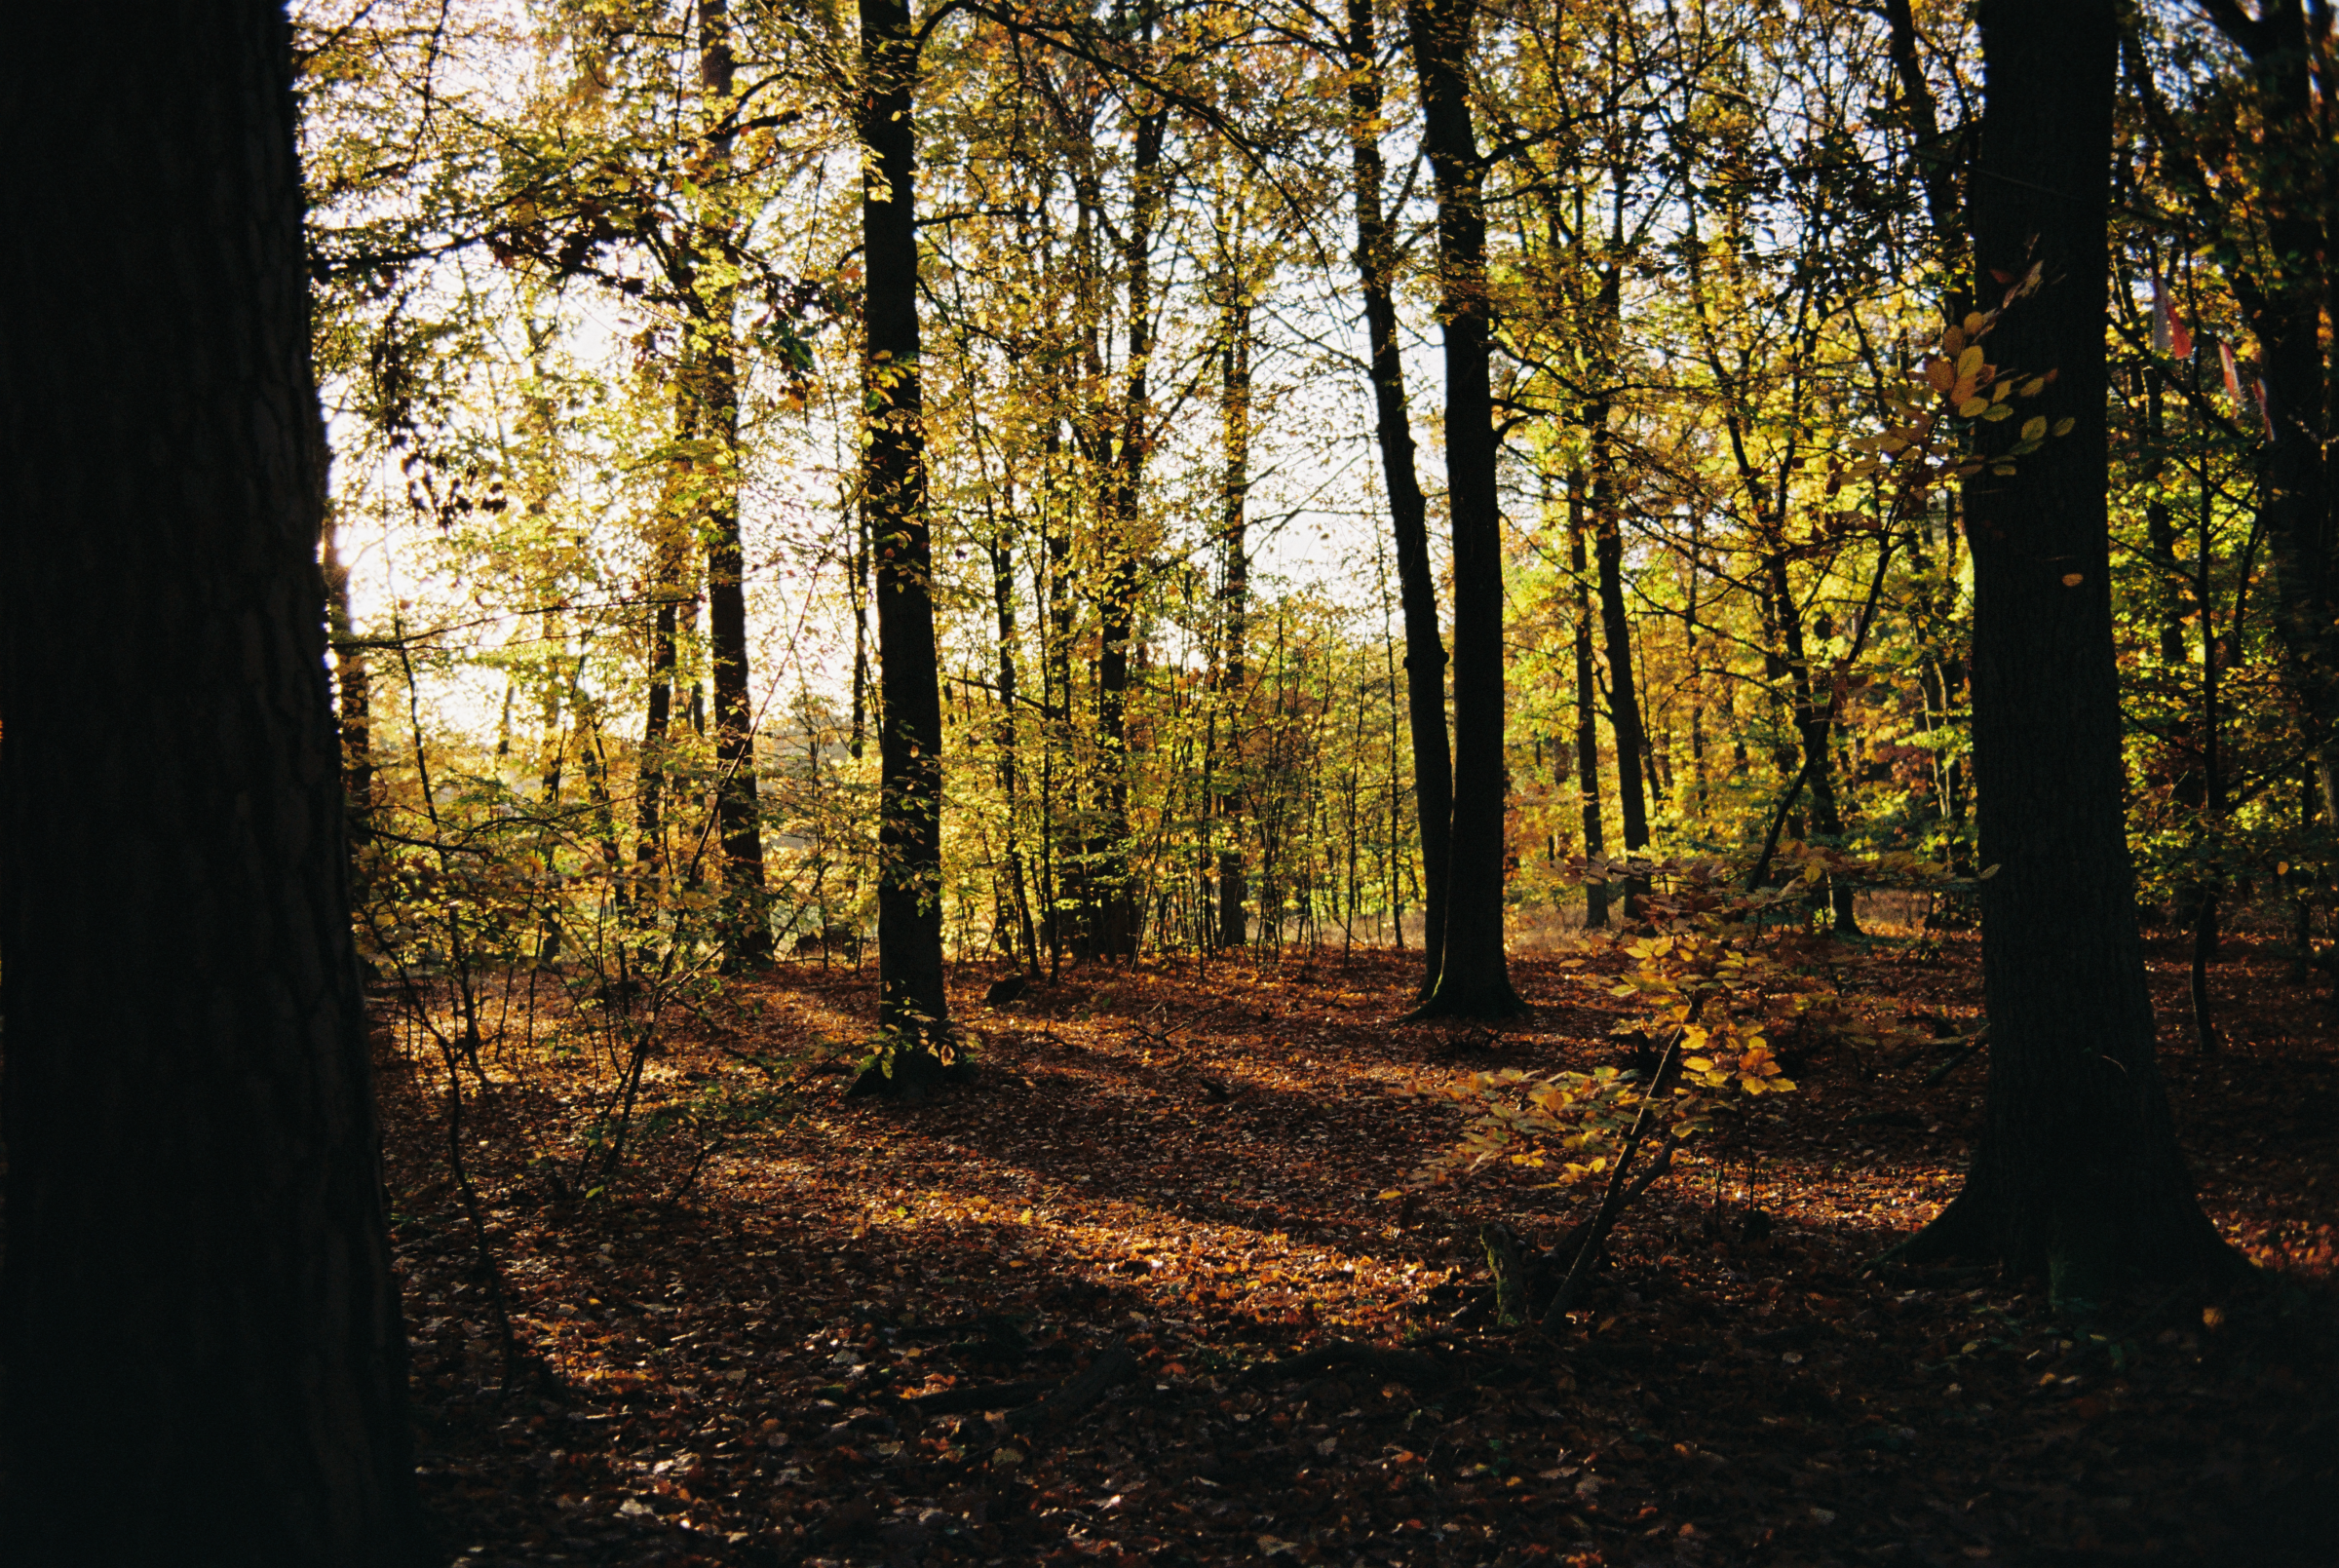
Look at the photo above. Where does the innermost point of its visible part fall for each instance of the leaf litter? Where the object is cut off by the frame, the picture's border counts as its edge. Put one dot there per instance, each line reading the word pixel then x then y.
pixel 1133 1298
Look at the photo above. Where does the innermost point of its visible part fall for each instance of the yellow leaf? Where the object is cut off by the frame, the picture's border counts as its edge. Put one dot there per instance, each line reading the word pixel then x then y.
pixel 1698 1065
pixel 1973 407
pixel 1969 364
pixel 1953 339
pixel 2034 428
pixel 1394 1192
pixel 2062 427
pixel 1976 321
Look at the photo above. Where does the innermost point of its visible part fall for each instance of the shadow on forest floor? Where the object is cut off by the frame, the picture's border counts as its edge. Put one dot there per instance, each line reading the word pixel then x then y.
pixel 733 1380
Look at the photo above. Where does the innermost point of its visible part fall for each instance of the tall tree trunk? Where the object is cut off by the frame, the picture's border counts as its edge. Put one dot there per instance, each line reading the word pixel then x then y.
pixel 352 686
pixel 1814 721
pixel 1233 929
pixel 1474 977
pixel 2078 1174
pixel 204 1356
pixel 1588 734
pixel 1408 512
pixel 1114 927
pixel 739 814
pixel 2284 285
pixel 668 582
pixel 1011 732
pixel 912 1009
pixel 1616 627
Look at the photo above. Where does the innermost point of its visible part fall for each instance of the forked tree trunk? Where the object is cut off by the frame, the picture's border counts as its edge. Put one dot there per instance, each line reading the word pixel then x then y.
pixel 205 1361
pixel 1408 512
pixel 912 1009
pixel 2078 1174
pixel 1474 979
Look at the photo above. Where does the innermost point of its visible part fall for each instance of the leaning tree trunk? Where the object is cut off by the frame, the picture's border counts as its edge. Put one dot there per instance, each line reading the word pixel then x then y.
pixel 1473 979
pixel 204 1356
pixel 912 1009
pixel 2078 1174
pixel 1408 512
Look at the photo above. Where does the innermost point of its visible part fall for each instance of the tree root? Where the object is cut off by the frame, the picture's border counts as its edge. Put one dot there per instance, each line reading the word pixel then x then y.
pixel 1415 1371
pixel 1077 1393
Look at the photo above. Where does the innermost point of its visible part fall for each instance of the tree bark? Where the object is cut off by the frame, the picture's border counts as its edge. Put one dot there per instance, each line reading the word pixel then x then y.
pixel 204 1352
pixel 716 384
pixel 669 583
pixel 1473 979
pixel 1588 692
pixel 2078 1174
pixel 1624 698
pixel 353 687
pixel 1114 926
pixel 1233 929
pixel 912 1009
pixel 1408 511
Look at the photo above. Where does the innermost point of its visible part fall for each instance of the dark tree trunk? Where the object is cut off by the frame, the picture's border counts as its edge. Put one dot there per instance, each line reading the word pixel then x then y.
pixel 912 1009
pixel 1941 158
pixel 2078 1174
pixel 1011 732
pixel 1233 926
pixel 204 1357
pixel 1474 977
pixel 1624 699
pixel 716 385
pixel 1113 928
pixel 1588 692
pixel 352 685
pixel 669 583
pixel 1814 721
pixel 1408 512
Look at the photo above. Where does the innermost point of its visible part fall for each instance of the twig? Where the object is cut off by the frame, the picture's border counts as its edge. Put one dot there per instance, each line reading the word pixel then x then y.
pixel 1612 1204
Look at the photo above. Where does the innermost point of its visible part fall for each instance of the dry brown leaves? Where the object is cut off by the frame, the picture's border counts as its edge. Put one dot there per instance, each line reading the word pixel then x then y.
pixel 1184 1162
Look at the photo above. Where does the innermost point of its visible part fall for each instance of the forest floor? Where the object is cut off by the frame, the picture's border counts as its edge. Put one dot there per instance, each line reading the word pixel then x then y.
pixel 1039 1319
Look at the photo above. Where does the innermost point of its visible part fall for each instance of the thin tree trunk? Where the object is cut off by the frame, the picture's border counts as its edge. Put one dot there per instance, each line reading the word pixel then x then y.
pixel 1588 737
pixel 1624 701
pixel 198 1319
pixel 737 810
pixel 352 685
pixel 912 1009
pixel 1408 511
pixel 2078 1174
pixel 1114 928
pixel 1474 977
pixel 1234 601
pixel 669 556
pixel 1010 730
